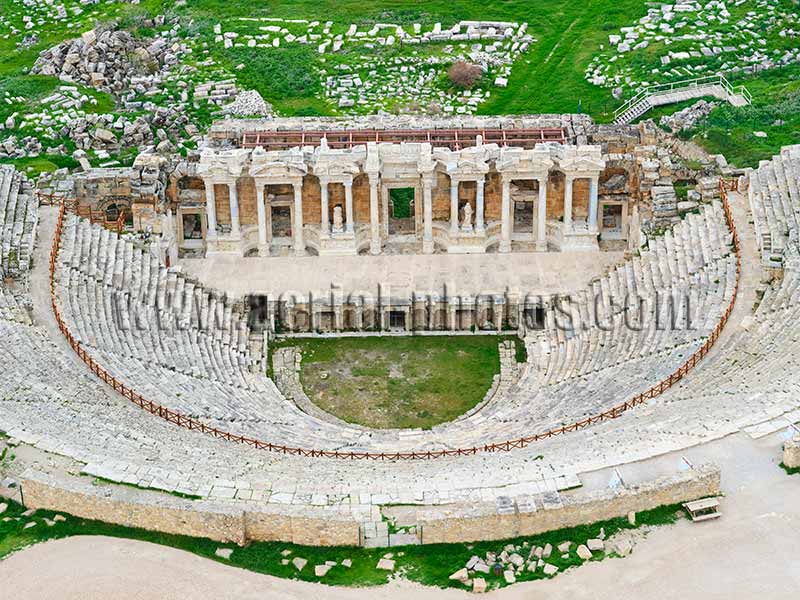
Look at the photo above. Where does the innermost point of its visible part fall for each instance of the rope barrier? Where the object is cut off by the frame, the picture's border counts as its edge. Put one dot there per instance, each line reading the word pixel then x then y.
pixel 181 420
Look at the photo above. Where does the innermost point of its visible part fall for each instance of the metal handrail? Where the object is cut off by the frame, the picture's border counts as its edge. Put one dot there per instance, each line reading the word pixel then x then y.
pixel 181 420
pixel 696 82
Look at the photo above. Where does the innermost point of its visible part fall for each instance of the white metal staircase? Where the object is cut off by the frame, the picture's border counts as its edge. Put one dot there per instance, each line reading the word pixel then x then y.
pixel 678 91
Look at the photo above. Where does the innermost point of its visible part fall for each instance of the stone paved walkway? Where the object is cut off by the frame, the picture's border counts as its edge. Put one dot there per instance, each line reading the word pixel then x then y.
pixel 528 272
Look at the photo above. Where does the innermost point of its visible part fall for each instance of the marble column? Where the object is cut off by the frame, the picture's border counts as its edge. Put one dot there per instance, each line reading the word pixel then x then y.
pixel 385 211
pixel 290 320
pixel 263 246
pixel 453 207
pixel 505 224
pixel 427 209
pixel 479 224
pixel 325 224
pixel 348 206
pixel 541 217
pixel 234 202
pixel 359 312
pixel 594 183
pixel 211 209
pixel 374 225
pixel 568 204
pixel 297 226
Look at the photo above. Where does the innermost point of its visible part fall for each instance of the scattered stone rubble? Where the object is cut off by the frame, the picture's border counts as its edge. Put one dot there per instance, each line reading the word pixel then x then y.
pixel 695 38
pixel 248 103
pixel 688 117
pixel 112 61
pixel 370 81
pixel 516 560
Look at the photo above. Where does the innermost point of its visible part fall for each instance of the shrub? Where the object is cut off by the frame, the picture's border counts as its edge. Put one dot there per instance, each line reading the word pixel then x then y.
pixel 464 75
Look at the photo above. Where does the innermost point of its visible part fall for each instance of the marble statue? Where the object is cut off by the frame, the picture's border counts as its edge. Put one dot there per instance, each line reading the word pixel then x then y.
pixel 466 223
pixel 338 223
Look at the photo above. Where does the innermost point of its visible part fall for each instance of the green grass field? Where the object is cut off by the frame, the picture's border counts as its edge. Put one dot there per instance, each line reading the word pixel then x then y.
pixel 429 564
pixel 549 78
pixel 404 382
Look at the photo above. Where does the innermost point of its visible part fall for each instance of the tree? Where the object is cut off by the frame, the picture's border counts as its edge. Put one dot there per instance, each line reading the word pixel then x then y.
pixel 464 75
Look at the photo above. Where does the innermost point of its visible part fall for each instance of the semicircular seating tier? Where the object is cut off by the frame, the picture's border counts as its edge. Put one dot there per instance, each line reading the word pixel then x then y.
pixel 774 195
pixel 155 330
pixel 55 403
pixel 754 378
pixel 18 218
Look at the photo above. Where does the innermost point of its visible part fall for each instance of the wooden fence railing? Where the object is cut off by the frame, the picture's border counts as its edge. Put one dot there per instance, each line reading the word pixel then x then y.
pixel 181 420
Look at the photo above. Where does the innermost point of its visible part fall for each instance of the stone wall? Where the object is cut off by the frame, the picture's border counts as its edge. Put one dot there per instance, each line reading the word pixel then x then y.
pixel 330 526
pixel 139 189
pixel 133 508
pixel 791 452
pixel 158 512
pixel 452 523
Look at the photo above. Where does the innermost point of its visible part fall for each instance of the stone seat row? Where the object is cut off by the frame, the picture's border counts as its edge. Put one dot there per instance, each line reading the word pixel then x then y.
pixel 782 296
pixel 168 330
pixel 759 360
pixel 623 361
pixel 774 196
pixel 139 275
pixel 18 220
pixel 681 253
pixel 14 307
pixel 121 443
pixel 98 324
pixel 645 305
pixel 689 313
pixel 589 373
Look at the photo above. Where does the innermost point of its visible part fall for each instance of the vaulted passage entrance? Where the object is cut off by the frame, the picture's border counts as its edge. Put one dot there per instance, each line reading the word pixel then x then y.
pixel 402 207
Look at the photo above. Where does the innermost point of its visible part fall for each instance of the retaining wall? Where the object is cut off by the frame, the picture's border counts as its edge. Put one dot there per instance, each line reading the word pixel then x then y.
pixel 464 523
pixel 320 526
pixel 159 512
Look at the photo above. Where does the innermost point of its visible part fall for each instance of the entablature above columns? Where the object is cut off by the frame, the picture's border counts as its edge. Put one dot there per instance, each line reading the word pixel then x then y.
pixel 400 162
pixel 582 161
pixel 519 163
pixel 283 166
pixel 338 165
pixel 222 167
pixel 469 164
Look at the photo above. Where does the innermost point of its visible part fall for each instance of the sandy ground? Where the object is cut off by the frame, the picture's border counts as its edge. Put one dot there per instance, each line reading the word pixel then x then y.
pixel 752 551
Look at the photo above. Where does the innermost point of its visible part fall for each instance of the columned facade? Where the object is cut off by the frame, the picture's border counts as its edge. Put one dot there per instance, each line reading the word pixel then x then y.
pixel 331 201
pixel 520 167
pixel 581 164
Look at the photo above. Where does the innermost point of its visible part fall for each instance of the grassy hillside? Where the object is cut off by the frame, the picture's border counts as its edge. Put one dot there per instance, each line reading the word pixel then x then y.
pixel 551 76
